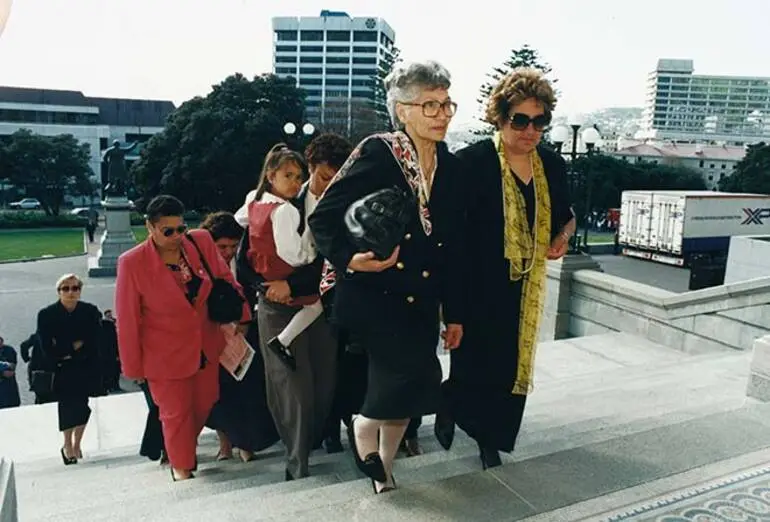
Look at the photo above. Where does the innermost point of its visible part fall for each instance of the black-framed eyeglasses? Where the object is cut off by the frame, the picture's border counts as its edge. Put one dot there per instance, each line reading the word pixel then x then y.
pixel 170 231
pixel 431 108
pixel 521 121
pixel 73 288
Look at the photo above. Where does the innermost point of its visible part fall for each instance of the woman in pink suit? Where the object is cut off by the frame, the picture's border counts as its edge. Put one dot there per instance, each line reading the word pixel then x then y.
pixel 164 333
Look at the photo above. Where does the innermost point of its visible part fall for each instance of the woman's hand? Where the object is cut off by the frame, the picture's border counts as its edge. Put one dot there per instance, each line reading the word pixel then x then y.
pixel 452 336
pixel 77 345
pixel 366 262
pixel 278 291
pixel 559 247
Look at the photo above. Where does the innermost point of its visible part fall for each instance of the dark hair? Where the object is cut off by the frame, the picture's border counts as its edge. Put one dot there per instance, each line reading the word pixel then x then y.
pixel 328 148
pixel 275 158
pixel 222 224
pixel 162 206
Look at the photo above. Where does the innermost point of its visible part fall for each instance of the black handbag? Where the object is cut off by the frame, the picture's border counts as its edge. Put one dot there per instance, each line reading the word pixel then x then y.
pixel 225 304
pixel 41 382
pixel 378 222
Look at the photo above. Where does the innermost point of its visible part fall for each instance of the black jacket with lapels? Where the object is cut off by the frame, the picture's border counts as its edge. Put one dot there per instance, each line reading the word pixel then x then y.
pixel 429 271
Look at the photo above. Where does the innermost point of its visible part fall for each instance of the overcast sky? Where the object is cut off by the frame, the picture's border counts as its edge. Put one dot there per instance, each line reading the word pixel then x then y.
pixel 601 50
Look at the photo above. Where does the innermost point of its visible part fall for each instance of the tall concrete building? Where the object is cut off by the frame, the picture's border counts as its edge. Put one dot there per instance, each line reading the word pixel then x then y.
pixel 336 59
pixel 686 107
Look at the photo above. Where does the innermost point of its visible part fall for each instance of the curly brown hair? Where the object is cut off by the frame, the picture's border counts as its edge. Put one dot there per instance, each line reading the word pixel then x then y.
pixel 328 148
pixel 517 86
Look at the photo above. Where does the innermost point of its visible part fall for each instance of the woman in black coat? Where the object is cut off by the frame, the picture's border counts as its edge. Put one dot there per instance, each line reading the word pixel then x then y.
pixel 69 333
pixel 390 307
pixel 519 215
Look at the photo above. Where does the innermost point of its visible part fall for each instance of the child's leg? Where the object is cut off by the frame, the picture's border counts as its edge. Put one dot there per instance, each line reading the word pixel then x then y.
pixel 300 322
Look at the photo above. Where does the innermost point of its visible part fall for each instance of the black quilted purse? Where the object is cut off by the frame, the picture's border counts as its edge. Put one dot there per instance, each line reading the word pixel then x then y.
pixel 378 222
pixel 225 304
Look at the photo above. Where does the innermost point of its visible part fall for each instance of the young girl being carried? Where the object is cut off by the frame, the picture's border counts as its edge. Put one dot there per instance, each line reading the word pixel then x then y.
pixel 276 245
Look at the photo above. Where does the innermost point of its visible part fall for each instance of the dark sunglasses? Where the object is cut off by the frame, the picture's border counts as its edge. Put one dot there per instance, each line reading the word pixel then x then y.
pixel 521 121
pixel 170 231
pixel 67 288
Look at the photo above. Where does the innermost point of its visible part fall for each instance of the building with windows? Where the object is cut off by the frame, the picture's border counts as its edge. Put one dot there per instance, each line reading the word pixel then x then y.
pixel 336 59
pixel 713 162
pixel 685 107
pixel 95 121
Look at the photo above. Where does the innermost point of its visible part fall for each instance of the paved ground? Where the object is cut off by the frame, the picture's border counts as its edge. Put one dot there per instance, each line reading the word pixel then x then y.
pixel 668 277
pixel 25 288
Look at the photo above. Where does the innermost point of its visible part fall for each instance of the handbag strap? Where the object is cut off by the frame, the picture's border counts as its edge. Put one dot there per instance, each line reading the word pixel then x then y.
pixel 200 254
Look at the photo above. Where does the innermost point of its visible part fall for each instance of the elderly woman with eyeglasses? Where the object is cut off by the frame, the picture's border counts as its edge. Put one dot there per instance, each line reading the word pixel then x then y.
pixel 390 307
pixel 520 215
pixel 69 332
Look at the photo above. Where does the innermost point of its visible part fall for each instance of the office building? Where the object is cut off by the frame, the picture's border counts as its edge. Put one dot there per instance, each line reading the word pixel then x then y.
pixel 685 107
pixel 95 121
pixel 337 60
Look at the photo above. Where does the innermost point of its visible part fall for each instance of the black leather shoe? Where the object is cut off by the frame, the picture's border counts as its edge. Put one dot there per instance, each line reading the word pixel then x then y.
pixel 444 429
pixel 371 465
pixel 490 457
pixel 283 353
pixel 333 445
pixel 287 476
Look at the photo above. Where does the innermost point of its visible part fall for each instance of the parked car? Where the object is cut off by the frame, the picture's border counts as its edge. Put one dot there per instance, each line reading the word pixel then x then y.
pixel 26 204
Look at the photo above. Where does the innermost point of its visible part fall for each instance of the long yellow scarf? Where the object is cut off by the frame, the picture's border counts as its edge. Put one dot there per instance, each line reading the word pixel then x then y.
pixel 526 251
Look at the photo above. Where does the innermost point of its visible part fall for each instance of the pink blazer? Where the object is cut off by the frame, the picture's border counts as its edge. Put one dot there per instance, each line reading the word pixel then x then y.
pixel 160 334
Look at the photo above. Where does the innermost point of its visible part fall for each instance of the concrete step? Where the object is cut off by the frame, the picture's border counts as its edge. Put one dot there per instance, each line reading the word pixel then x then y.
pixel 511 492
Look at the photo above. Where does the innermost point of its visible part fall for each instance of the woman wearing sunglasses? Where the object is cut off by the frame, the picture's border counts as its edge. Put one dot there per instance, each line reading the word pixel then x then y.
pixel 520 215
pixel 69 333
pixel 165 335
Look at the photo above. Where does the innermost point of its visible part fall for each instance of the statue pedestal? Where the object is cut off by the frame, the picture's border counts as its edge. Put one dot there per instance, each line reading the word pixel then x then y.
pixel 118 237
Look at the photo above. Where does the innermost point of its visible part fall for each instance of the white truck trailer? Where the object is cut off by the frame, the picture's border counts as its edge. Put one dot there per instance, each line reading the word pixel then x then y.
pixel 671 226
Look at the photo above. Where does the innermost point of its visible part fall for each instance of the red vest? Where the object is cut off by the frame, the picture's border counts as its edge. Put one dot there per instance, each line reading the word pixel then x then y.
pixel 263 254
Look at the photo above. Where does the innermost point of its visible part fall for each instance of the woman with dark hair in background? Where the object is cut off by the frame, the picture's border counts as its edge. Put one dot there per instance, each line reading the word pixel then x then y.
pixel 240 417
pixel 165 334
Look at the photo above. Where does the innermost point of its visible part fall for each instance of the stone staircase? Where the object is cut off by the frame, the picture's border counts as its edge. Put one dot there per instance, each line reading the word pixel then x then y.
pixel 609 412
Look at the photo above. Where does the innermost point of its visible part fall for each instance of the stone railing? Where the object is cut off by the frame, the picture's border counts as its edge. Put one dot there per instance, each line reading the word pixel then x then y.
pixel 727 316
pixel 9 511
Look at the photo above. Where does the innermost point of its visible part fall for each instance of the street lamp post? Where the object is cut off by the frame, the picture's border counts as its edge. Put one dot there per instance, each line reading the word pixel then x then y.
pixel 290 129
pixel 590 137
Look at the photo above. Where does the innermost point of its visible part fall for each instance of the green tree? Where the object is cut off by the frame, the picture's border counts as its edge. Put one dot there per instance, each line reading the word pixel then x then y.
pixel 47 167
pixel 211 150
pixel 602 180
pixel 752 173
pixel 526 56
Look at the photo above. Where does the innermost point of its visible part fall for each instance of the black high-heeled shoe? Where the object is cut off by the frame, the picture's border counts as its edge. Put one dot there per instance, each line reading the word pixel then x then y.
pixel 490 458
pixel 371 465
pixel 68 461
pixel 385 489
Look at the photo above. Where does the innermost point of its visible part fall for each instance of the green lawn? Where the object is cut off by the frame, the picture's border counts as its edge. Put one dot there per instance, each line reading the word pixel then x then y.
pixel 140 232
pixel 28 244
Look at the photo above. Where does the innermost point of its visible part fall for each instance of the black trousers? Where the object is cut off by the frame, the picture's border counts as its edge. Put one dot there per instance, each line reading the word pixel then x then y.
pixel 152 439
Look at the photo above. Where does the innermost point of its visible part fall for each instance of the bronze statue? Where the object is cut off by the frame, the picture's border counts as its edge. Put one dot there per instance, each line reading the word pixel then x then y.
pixel 117 176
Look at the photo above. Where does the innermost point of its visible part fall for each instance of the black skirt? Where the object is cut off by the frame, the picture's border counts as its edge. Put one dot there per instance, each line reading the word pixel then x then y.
pixel 241 411
pixel 75 381
pixel 404 373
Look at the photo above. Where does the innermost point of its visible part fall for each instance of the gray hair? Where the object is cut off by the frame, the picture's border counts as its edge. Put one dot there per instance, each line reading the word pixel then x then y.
pixel 405 82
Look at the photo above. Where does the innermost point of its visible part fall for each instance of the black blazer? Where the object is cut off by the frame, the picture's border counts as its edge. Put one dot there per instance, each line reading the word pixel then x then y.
pixel 303 281
pixel 429 269
pixel 484 193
